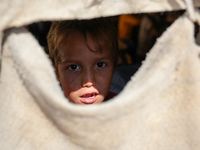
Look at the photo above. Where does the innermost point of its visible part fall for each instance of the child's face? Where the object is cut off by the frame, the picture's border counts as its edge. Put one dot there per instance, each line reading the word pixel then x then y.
pixel 85 75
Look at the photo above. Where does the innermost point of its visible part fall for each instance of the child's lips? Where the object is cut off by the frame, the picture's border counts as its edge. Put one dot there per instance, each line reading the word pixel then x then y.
pixel 89 98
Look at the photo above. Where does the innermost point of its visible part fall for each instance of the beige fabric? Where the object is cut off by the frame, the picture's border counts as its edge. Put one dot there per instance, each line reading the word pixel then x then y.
pixel 20 12
pixel 158 109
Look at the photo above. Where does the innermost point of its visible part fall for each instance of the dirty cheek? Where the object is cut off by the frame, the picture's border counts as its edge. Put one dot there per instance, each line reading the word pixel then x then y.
pixel 73 80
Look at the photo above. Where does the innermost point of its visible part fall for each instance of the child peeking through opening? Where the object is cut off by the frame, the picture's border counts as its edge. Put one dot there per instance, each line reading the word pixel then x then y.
pixel 84 55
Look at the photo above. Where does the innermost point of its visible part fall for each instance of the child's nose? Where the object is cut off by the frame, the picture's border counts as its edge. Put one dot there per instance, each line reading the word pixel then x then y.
pixel 88 78
pixel 88 84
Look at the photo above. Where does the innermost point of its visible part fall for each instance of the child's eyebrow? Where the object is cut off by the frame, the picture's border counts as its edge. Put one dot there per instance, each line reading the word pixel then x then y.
pixel 98 59
pixel 66 61
pixel 105 58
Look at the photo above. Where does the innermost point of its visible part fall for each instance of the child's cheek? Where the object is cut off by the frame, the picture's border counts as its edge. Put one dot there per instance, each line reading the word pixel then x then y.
pixel 72 76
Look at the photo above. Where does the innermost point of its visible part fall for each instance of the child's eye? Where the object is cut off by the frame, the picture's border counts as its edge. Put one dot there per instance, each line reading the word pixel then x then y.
pixel 73 67
pixel 100 64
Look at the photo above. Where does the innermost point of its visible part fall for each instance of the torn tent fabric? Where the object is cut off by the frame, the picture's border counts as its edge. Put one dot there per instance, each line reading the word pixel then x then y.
pixel 20 12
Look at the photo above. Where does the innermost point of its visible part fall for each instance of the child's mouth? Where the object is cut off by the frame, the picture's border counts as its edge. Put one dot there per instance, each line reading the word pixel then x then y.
pixel 89 98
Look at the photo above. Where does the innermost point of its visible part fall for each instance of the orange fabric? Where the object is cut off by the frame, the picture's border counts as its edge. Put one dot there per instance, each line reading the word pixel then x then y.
pixel 126 24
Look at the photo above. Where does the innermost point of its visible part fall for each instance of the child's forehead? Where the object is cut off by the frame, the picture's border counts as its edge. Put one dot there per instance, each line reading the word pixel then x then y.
pixel 95 43
pixel 76 44
pixel 82 53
